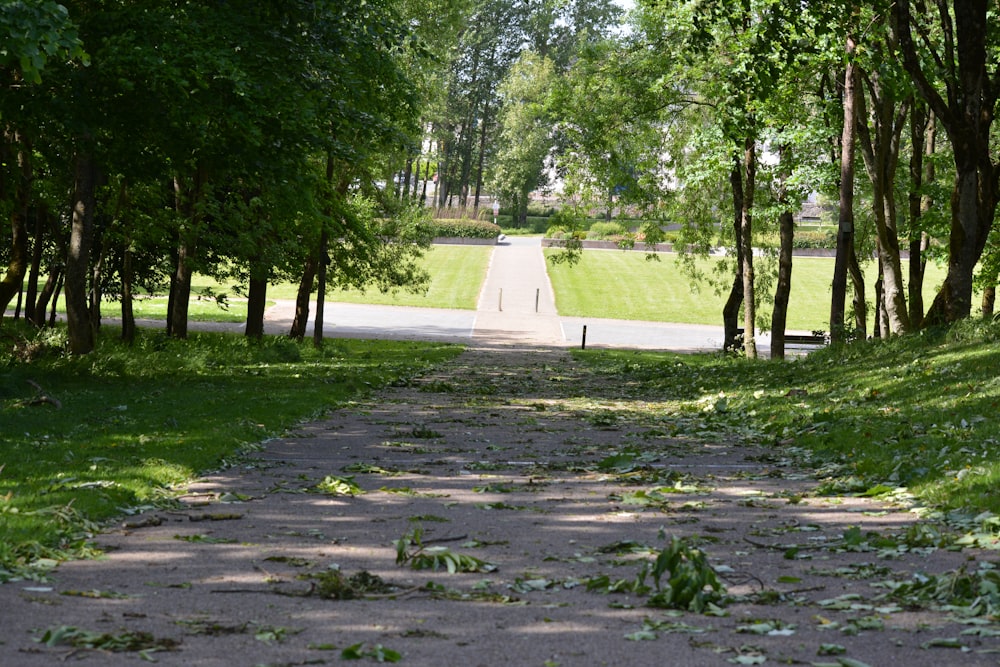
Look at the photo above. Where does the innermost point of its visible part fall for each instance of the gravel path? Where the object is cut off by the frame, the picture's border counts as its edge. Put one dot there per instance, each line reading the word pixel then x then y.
pixel 501 457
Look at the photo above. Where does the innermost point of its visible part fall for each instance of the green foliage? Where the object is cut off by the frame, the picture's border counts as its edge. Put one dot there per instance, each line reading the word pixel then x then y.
pixel 465 229
pixel 140 642
pixel 692 583
pixel 339 486
pixel 32 33
pixel 682 578
pixel 378 653
pixel 136 421
pixel 334 585
pixel 410 549
pixel 907 416
pixel 606 230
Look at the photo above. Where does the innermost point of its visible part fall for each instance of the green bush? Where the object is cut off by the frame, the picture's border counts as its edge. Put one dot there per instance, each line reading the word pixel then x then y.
pixel 465 229
pixel 601 231
pixel 817 239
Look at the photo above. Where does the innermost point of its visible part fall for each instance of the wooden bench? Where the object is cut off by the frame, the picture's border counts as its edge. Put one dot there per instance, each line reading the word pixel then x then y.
pixel 815 339
pixel 806 340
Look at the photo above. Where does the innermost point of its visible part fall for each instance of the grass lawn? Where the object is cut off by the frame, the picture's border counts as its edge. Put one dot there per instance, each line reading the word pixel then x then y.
pixel 911 415
pixel 624 285
pixel 134 421
pixel 457 273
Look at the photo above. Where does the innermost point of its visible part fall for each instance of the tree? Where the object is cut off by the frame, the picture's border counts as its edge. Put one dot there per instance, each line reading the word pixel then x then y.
pixel 525 132
pixel 32 36
pixel 955 70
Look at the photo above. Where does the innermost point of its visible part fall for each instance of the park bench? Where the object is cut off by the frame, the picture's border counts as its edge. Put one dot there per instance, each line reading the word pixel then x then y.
pixel 793 340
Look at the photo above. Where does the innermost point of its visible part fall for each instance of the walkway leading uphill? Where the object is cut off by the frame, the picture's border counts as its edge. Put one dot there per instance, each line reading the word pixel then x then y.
pixel 516 306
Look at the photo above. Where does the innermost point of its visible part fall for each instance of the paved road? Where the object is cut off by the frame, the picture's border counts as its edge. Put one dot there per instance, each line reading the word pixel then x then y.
pixel 516 306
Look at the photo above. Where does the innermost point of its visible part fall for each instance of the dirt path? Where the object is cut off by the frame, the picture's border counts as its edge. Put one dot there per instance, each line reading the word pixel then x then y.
pixel 497 458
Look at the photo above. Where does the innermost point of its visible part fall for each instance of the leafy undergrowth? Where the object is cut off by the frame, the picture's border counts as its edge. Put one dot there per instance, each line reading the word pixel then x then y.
pixel 85 438
pixel 913 416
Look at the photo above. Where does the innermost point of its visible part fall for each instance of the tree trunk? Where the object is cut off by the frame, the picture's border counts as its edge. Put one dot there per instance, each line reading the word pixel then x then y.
pixel 845 224
pixel 298 330
pixel 41 215
pixel 922 139
pixel 966 242
pixel 47 293
pixel 407 177
pixel 60 281
pixel 733 306
pixel 880 149
pixel 181 289
pixel 482 159
pixel 256 303
pixel 783 288
pixel 128 315
pixel 966 113
pixel 188 202
pixel 79 325
pixel 17 266
pixel 746 245
pixel 324 262
pixel 860 305
pixel 880 329
pixel 990 291
pixel 96 293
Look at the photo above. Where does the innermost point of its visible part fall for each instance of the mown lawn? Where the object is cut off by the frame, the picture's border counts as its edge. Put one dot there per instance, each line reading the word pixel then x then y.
pixel 84 438
pixel 625 285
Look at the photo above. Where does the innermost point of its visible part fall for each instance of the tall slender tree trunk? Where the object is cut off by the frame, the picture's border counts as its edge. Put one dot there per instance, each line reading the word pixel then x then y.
pixel 128 276
pixel 34 271
pixel 301 319
pixel 783 288
pixel 746 245
pixel 989 279
pixel 859 301
pixel 324 262
pixel 880 149
pixel 922 140
pixel 482 158
pixel 189 204
pixel 17 264
pixel 79 325
pixel 733 306
pixel 845 224
pixel 48 292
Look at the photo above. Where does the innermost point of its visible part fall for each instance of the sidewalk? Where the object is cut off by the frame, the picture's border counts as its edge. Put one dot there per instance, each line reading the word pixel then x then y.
pixel 516 306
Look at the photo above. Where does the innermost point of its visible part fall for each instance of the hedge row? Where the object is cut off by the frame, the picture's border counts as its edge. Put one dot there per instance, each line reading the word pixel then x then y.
pixel 465 229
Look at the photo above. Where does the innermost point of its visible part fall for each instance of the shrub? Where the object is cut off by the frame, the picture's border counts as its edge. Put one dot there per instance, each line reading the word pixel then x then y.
pixel 465 229
pixel 817 239
pixel 606 230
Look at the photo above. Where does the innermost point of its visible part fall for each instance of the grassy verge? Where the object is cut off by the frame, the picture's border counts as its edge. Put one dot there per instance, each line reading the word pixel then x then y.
pixel 624 285
pixel 915 413
pixel 457 273
pixel 125 424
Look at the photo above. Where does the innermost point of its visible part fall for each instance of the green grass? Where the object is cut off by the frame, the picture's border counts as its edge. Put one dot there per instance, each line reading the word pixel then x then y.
pixel 457 273
pixel 625 285
pixel 916 412
pixel 134 421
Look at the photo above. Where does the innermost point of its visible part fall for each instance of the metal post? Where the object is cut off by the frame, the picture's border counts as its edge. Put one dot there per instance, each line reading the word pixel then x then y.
pixel 583 345
pixel 501 300
pixel 537 292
